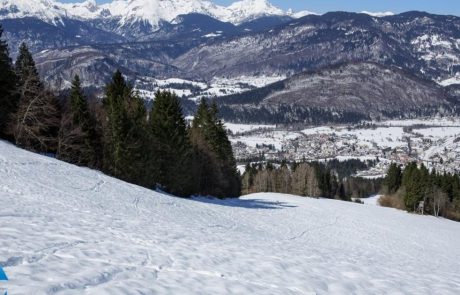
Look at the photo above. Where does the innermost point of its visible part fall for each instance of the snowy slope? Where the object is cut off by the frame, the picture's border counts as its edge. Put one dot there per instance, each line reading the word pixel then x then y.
pixel 70 230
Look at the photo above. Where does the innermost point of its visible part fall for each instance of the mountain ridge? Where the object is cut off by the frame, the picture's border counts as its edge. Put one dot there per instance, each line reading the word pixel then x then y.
pixel 152 12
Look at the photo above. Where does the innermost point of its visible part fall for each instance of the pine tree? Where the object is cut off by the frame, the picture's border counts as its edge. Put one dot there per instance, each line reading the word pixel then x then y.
pixel 78 142
pixel 37 118
pixel 8 89
pixel 413 180
pixel 171 161
pixel 393 179
pixel 124 133
pixel 226 181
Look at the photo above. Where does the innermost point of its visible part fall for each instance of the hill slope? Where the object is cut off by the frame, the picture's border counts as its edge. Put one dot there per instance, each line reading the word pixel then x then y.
pixel 69 230
pixel 361 88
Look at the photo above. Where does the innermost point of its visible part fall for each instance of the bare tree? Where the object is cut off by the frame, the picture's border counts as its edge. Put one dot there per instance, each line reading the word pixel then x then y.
pixel 37 118
pixel 74 144
pixel 439 199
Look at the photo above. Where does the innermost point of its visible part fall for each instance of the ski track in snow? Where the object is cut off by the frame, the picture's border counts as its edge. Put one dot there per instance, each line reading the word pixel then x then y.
pixel 71 230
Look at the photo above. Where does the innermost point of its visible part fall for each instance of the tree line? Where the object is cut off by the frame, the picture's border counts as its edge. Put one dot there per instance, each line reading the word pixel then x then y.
pixel 320 180
pixel 118 135
pixel 416 189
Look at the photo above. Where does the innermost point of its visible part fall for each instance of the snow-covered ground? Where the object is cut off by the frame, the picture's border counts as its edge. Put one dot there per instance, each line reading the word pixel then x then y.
pixel 270 137
pixel 436 121
pixel 240 128
pixel 373 200
pixel 70 230
pixel 382 136
pixel 196 90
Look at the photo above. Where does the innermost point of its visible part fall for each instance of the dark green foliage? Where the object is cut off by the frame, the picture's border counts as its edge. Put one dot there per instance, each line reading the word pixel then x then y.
pixel 440 193
pixel 36 122
pixel 416 182
pixel 125 136
pixel 9 98
pixel 171 160
pixel 78 139
pixel 26 70
pixel 213 155
pixel 393 179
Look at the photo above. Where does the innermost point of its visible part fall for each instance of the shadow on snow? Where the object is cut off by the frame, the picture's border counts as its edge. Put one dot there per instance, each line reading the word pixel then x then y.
pixel 246 203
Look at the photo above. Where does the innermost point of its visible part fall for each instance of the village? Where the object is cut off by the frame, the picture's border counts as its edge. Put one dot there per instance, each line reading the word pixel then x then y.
pixel 435 144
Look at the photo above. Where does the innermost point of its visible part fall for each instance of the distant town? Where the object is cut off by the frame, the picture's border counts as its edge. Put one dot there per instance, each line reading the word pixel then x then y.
pixel 435 143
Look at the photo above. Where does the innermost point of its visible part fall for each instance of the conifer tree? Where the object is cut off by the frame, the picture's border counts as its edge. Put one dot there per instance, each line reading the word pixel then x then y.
pixel 8 89
pixel 37 118
pixel 206 124
pixel 393 178
pixel 124 133
pixel 171 160
pixel 78 142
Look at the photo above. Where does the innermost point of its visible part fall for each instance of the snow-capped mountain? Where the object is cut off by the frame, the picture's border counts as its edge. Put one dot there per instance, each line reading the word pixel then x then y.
pixel 152 12
pixel 46 10
pixel 244 10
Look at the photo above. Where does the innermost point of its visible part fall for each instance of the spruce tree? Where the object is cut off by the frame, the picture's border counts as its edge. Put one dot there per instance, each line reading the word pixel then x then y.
pixel 8 89
pixel 124 133
pixel 37 120
pixel 393 178
pixel 226 180
pixel 413 181
pixel 171 161
pixel 27 72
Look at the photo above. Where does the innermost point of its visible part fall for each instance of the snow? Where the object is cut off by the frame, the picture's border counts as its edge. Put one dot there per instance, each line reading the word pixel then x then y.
pixel 444 121
pixel 43 9
pixel 71 230
pixel 439 132
pixel 373 200
pixel 244 10
pixel 450 81
pixel 212 35
pixel 382 136
pixel 276 138
pixel 151 11
pixel 220 86
pixel 240 128
pixel 300 14
pixel 379 14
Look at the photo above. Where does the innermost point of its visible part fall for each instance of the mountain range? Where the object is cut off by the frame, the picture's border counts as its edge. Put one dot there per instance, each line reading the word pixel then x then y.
pixel 198 41
pixel 149 13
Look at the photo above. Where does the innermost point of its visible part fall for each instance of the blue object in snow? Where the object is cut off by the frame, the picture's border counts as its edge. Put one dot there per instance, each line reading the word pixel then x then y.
pixel 3 276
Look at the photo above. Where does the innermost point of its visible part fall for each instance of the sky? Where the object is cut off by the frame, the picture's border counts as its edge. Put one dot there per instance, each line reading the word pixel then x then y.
pixel 321 6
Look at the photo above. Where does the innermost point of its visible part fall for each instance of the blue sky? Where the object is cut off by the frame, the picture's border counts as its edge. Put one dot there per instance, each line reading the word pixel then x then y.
pixel 320 6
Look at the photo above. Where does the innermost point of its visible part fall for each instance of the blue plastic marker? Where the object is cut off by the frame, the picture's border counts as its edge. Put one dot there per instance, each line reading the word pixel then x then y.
pixel 3 276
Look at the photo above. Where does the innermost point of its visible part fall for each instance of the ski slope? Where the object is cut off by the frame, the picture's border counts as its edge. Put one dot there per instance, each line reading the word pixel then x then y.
pixel 71 230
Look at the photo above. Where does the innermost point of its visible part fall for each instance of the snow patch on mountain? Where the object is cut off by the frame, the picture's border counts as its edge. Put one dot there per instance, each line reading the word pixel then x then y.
pixel 450 81
pixel 300 14
pixel 378 14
